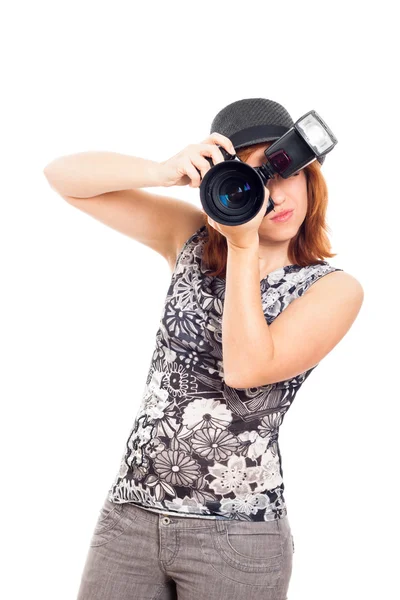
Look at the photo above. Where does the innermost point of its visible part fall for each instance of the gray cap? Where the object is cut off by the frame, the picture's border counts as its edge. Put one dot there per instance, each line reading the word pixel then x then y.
pixel 252 121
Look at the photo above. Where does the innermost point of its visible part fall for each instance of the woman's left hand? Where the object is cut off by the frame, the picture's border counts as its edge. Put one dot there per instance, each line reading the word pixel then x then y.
pixel 242 236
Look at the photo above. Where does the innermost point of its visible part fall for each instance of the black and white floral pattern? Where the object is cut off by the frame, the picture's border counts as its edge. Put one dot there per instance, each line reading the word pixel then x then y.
pixel 199 448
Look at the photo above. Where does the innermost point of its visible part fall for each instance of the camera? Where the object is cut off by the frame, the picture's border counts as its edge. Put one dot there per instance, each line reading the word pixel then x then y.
pixel 232 192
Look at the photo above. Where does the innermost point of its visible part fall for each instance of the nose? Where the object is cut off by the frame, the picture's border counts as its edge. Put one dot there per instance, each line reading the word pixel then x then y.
pixel 276 191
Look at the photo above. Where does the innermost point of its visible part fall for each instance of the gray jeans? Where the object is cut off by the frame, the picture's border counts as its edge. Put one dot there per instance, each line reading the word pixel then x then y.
pixel 138 555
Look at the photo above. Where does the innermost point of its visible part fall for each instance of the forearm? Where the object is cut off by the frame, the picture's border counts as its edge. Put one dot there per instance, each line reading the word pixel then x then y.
pixel 88 174
pixel 246 341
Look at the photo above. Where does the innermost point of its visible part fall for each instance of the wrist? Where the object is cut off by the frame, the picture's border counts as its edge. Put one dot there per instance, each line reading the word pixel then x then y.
pixel 251 241
pixel 158 174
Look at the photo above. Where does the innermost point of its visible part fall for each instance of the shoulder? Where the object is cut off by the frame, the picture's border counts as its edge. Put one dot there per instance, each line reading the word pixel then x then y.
pixel 344 285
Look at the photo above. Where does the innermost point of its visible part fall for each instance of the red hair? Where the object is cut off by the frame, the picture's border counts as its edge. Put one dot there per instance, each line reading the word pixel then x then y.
pixel 309 246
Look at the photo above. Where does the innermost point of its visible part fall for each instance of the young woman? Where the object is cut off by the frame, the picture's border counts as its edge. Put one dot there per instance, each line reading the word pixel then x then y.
pixel 197 507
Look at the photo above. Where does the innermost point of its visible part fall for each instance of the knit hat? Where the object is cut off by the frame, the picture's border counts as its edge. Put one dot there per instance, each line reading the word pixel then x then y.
pixel 252 121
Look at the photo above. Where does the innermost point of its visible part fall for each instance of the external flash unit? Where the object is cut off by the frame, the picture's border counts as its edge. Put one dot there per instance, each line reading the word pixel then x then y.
pixel 233 192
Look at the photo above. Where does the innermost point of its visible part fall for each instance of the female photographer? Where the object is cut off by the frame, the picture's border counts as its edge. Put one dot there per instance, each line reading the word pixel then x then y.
pixel 197 508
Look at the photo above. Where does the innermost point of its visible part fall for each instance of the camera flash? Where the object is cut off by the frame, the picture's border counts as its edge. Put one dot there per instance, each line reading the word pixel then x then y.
pixel 316 133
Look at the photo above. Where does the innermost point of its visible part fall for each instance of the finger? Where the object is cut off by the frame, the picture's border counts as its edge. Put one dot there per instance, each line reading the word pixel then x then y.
pixel 222 140
pixel 201 164
pixel 192 173
pixel 213 151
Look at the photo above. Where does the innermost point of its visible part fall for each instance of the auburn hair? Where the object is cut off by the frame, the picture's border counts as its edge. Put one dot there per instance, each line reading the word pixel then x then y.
pixel 311 243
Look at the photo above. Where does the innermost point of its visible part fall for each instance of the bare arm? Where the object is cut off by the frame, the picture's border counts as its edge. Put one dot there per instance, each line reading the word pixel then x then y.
pixel 89 174
pixel 257 354
pixel 105 186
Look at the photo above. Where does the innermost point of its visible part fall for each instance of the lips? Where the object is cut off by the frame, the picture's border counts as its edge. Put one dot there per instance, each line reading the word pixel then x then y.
pixel 282 214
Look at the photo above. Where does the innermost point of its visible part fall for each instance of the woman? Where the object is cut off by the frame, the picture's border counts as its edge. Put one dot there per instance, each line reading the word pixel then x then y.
pixel 197 507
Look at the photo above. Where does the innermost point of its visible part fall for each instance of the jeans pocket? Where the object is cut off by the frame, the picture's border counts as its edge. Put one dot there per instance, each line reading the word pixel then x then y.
pixel 252 543
pixel 109 524
pixel 107 516
pixel 247 546
pixel 250 553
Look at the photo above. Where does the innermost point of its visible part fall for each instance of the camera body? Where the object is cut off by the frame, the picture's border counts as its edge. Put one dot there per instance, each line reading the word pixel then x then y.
pixel 233 192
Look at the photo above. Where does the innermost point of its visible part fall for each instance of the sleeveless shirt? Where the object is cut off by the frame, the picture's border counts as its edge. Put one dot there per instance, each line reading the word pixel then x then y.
pixel 199 448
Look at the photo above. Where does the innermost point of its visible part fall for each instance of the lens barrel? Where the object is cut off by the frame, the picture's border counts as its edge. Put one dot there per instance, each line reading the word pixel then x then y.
pixel 232 192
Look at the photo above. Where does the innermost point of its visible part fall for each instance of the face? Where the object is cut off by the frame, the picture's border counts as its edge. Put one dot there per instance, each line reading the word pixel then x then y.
pixel 287 194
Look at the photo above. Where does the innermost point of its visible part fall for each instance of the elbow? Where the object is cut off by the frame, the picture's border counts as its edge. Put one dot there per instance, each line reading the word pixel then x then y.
pixel 229 381
pixel 254 381
pixel 48 169
pixel 250 378
pixel 48 174
pixel 55 179
pixel 237 384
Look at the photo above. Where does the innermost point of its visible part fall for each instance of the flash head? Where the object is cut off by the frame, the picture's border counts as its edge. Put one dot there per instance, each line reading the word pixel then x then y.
pixel 316 133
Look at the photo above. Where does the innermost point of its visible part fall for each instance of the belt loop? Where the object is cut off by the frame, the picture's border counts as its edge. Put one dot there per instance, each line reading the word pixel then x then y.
pixel 220 525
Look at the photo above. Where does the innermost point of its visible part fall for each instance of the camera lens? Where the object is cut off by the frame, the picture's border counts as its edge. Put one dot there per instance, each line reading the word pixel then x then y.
pixel 234 192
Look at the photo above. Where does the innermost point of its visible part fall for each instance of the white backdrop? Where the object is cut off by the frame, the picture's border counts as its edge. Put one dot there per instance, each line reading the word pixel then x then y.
pixel 80 303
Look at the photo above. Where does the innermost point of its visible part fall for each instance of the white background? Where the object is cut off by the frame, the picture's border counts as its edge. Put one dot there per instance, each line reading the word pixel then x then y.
pixel 80 303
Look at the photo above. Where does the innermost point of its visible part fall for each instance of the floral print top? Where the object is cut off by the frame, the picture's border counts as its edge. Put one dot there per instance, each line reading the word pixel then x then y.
pixel 199 448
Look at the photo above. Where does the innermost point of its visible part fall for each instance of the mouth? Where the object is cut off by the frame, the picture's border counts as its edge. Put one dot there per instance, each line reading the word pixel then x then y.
pixel 283 216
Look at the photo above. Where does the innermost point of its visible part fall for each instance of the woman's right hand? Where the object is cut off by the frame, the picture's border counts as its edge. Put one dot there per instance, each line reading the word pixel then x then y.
pixel 181 168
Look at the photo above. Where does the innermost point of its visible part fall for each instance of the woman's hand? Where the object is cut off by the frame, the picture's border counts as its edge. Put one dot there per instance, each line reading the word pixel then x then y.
pixel 245 235
pixel 189 166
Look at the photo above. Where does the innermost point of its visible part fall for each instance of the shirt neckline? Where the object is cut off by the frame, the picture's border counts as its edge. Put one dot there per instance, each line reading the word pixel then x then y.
pixel 285 269
pixel 266 278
